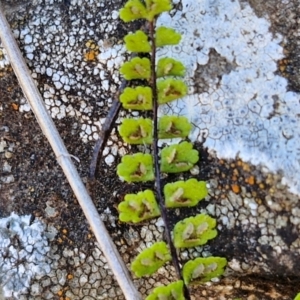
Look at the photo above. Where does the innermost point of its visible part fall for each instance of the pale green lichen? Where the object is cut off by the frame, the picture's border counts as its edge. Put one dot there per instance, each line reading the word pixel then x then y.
pixel 203 269
pixel 194 231
pixel 151 259
pixel 138 207
pixel 133 10
pixel 172 291
pixel 136 131
pixel 178 158
pixel 136 167
pixel 169 67
pixel 139 98
pixel 137 42
pixel 166 36
pixel 170 89
pixel 173 127
pixel 297 297
pixel 156 7
pixel 136 68
pixel 184 193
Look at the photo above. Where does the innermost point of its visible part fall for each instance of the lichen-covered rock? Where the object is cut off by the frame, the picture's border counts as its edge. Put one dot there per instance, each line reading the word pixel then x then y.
pixel 242 71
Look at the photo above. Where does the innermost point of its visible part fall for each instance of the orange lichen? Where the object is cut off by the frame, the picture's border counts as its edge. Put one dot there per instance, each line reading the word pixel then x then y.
pixel 235 188
pixel 92 51
pixel 250 180
pixel 90 55
pixel 70 276
pixel 15 106
pixel 246 167
pixel 60 293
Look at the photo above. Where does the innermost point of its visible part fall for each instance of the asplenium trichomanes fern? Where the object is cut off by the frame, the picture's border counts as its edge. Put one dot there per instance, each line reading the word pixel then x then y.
pixel 162 86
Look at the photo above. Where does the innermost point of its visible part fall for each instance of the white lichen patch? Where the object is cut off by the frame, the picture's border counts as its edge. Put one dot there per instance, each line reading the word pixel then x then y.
pixel 23 253
pixel 78 59
pixel 248 111
pixel 4 62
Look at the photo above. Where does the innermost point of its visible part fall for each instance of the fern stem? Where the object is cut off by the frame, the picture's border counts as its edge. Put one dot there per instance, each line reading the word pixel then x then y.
pixel 175 259
pixel 105 132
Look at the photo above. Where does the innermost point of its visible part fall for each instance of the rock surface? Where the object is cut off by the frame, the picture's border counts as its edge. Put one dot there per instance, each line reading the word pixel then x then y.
pixel 244 80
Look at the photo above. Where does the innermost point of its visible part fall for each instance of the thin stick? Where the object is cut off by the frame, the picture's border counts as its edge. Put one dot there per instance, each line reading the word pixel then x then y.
pixel 163 210
pixel 36 102
pixel 104 133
